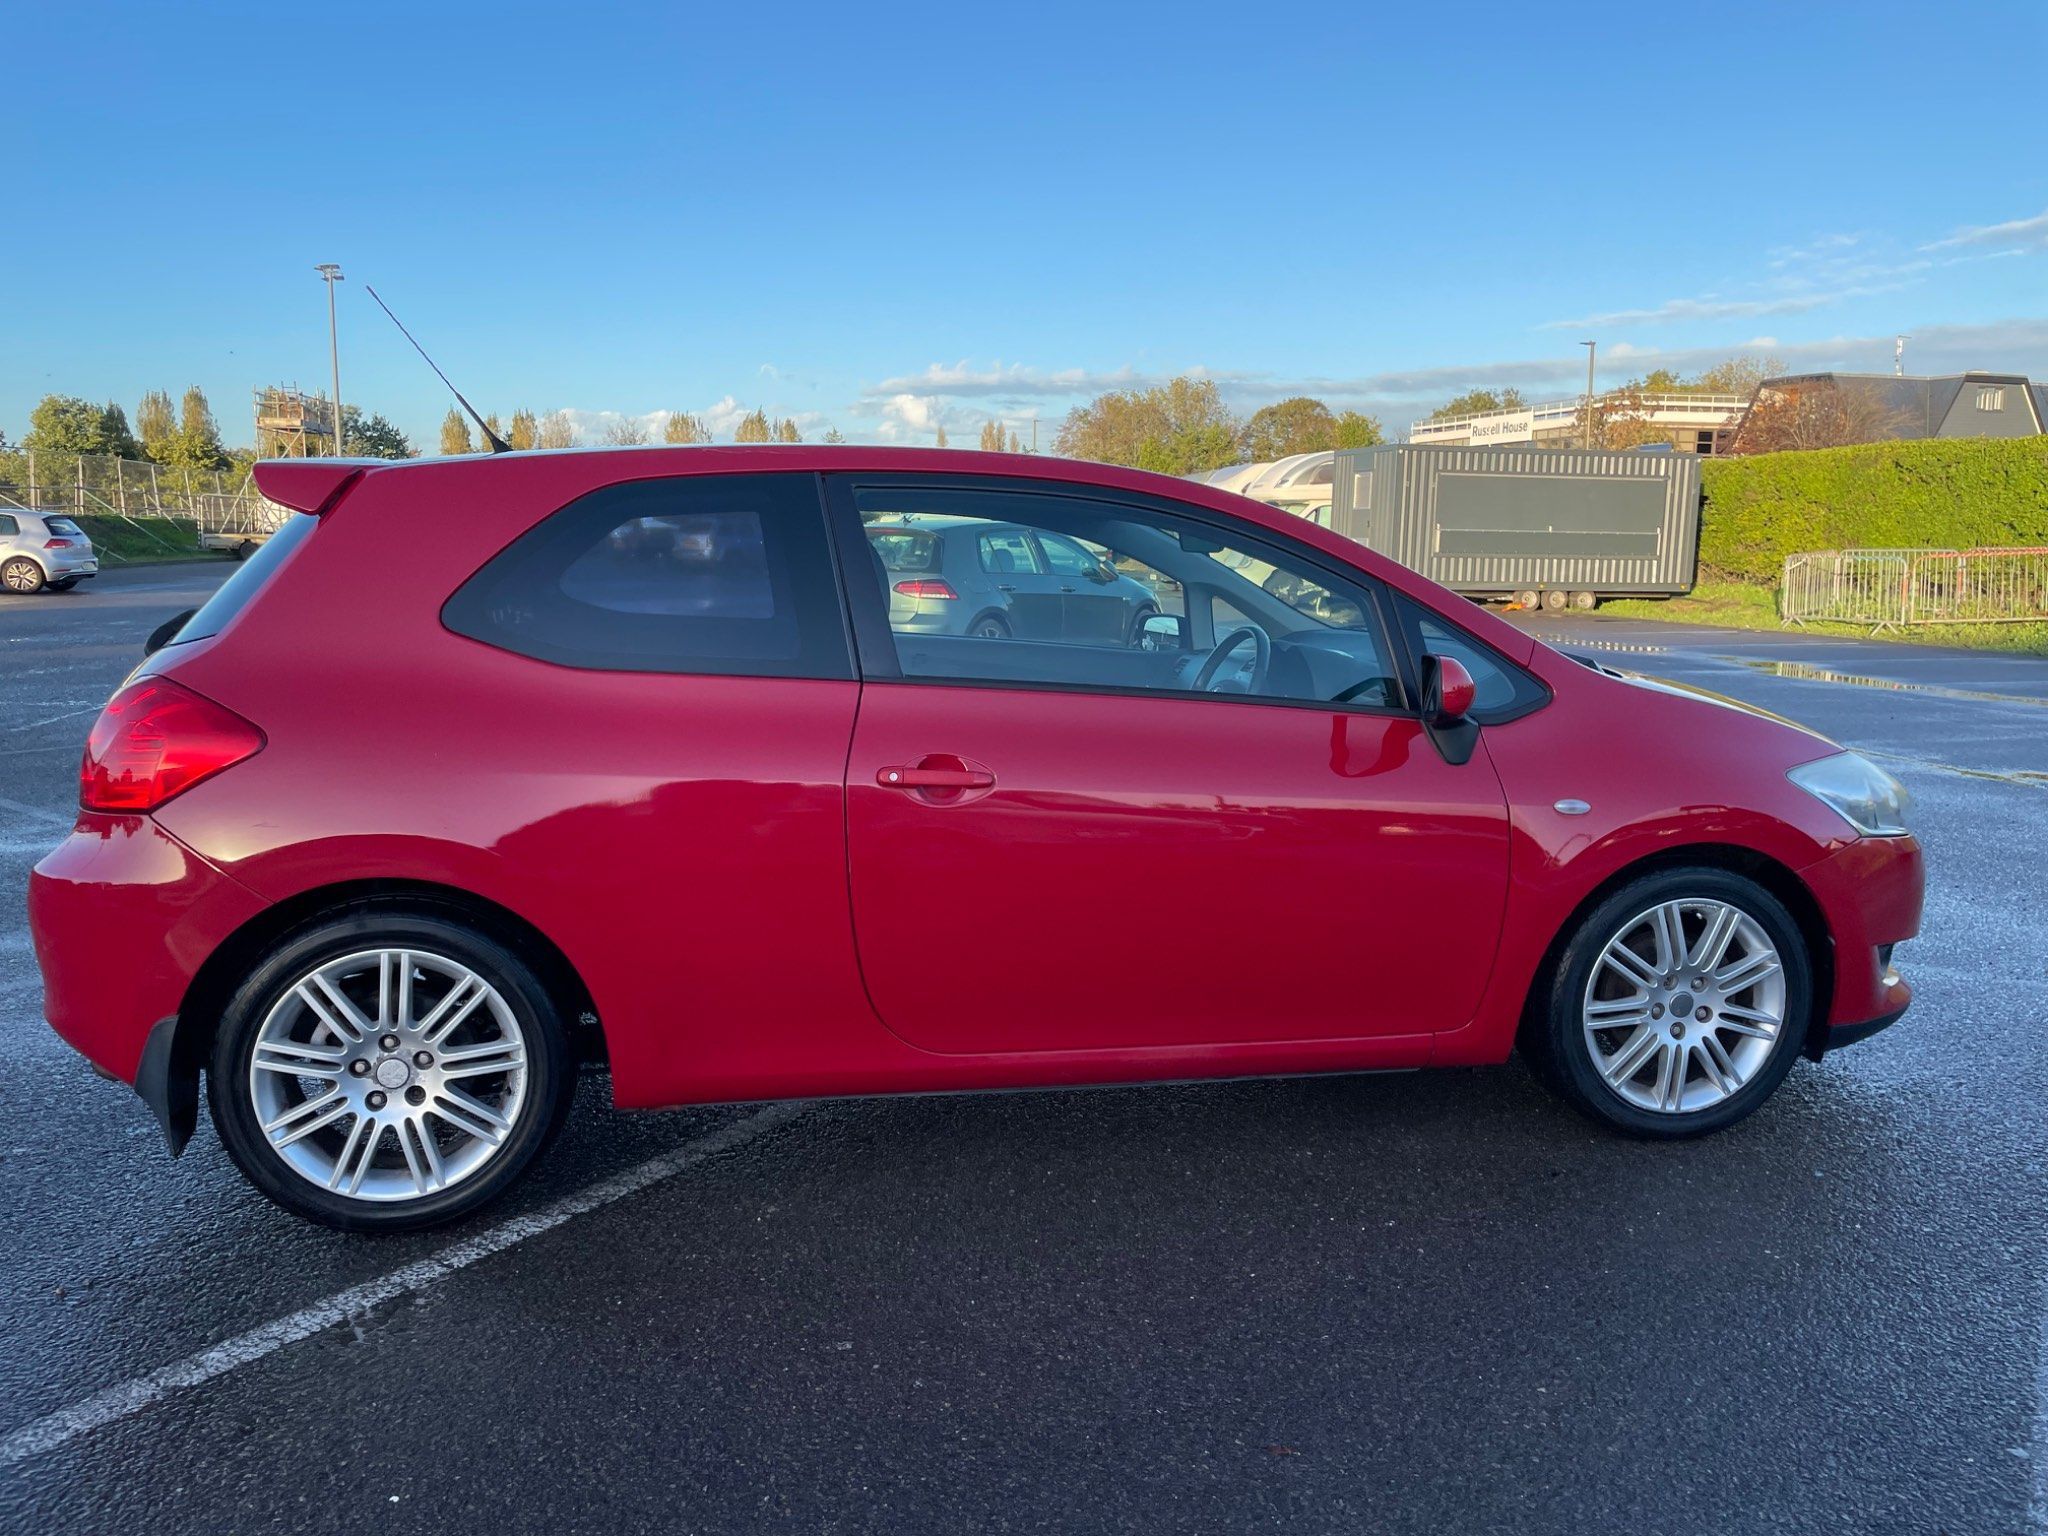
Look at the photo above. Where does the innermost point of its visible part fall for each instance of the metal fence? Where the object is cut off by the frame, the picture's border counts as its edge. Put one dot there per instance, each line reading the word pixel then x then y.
pixel 1893 588
pixel 98 485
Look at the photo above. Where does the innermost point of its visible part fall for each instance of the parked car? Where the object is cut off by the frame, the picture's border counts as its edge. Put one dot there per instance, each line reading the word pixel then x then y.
pixel 42 549
pixel 1001 581
pixel 635 757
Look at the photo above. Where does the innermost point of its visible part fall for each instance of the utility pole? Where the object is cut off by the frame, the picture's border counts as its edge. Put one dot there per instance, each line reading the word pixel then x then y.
pixel 332 275
pixel 1592 350
pixel 1899 355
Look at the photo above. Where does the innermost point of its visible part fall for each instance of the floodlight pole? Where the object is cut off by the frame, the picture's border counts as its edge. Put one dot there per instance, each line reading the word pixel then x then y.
pixel 1592 350
pixel 332 275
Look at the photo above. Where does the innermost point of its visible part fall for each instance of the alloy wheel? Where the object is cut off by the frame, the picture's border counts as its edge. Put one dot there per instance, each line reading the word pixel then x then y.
pixel 1685 1005
pixel 388 1074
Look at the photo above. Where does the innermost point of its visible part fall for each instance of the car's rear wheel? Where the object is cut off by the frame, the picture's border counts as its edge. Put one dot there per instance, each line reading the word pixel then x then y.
pixel 21 574
pixel 389 1069
pixel 1677 1006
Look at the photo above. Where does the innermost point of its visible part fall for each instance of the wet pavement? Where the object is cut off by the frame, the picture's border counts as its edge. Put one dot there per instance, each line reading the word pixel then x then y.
pixel 1433 1302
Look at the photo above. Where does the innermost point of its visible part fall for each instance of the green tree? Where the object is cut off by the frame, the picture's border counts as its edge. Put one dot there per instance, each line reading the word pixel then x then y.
pixel 525 431
pixel 682 427
pixel 372 437
pixel 1357 430
pixel 1476 402
pixel 63 426
pixel 1739 375
pixel 455 436
pixel 114 428
pixel 1298 425
pixel 198 441
pixel 156 423
pixel 753 428
pixel 1180 427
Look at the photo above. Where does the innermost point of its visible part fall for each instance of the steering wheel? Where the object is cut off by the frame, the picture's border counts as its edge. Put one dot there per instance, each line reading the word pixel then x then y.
pixel 1262 659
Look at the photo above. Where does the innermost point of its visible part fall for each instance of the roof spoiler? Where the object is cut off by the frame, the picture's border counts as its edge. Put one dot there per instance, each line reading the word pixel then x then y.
pixel 306 485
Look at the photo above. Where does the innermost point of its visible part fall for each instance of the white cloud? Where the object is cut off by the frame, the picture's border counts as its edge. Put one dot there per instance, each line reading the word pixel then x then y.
pixel 2014 232
pixel 1713 307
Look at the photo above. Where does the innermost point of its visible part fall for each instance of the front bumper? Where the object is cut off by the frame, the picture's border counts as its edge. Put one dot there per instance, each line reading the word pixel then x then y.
pixel 123 915
pixel 1870 892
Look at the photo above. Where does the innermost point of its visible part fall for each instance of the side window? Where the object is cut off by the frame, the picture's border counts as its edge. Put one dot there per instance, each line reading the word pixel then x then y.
pixel 1146 599
pixel 1066 558
pixel 9 524
pixel 1502 690
pixel 1008 552
pixel 721 574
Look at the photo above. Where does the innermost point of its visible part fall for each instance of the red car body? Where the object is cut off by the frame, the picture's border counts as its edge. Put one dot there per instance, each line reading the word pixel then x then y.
pixel 712 867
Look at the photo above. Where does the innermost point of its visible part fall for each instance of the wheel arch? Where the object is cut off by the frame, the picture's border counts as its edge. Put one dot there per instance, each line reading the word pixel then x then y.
pixel 32 560
pixel 198 1017
pixel 1779 879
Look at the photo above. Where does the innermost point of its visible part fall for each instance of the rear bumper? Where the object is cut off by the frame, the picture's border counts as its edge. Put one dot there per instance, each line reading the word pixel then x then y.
pixel 123 915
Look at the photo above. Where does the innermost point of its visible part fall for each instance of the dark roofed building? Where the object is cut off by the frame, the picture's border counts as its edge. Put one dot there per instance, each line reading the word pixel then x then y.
pixel 1954 405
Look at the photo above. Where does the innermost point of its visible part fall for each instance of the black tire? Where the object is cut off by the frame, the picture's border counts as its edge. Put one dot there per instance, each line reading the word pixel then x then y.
pixel 21 576
pixel 243 550
pixel 990 626
pixel 1554 602
pixel 550 1063
pixel 1554 1040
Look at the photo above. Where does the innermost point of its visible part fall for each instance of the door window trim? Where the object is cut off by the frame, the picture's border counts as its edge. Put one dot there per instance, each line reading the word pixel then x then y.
pixel 875 643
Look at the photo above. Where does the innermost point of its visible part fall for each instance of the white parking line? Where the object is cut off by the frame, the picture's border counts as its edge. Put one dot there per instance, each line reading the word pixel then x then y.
pixel 131 1397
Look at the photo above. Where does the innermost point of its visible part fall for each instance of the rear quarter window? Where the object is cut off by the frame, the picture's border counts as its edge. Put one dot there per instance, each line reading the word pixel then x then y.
pixel 717 574
pixel 249 578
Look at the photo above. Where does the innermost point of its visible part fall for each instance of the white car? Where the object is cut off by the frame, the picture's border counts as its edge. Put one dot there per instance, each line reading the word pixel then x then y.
pixel 43 549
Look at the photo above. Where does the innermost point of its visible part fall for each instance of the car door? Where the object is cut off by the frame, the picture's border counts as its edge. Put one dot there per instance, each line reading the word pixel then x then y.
pixel 1184 867
pixel 1091 600
pixel 1030 596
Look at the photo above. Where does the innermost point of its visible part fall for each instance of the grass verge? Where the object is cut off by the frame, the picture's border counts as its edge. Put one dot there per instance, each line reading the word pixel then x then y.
pixel 146 539
pixel 1738 605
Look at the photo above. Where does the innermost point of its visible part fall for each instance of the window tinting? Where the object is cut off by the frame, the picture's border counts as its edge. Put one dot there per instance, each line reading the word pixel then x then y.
pixel 9 523
pixel 1254 619
pixel 235 594
pixel 905 549
pixel 63 525
pixel 725 574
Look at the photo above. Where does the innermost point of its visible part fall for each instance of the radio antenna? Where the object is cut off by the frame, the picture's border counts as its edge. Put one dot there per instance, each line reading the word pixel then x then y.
pixel 498 444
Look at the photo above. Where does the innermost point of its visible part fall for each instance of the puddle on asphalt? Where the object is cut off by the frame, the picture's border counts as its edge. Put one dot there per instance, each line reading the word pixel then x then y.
pixel 1807 672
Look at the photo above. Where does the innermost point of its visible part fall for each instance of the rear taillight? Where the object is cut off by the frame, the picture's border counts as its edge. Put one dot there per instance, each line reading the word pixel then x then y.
pixel 938 589
pixel 155 740
pixel 56 543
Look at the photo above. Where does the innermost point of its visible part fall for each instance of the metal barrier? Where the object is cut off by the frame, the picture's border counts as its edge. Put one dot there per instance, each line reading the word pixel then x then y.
pixel 1893 588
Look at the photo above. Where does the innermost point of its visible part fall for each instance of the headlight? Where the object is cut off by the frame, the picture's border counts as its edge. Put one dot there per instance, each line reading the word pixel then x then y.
pixel 1857 790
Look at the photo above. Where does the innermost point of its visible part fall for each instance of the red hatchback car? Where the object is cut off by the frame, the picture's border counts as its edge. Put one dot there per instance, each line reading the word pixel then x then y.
pixel 677 759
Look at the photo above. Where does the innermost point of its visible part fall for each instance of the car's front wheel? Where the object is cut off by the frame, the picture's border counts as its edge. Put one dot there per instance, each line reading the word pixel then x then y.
pixel 388 1069
pixel 1677 1006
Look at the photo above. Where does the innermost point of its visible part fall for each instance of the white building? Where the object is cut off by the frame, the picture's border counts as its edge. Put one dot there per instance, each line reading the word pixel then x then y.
pixel 1690 423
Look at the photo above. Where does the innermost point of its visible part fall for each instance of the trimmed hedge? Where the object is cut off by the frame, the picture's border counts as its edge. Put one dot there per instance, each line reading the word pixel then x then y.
pixel 1957 493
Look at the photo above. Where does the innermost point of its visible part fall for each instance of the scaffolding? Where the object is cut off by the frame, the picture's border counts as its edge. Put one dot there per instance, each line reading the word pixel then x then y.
pixel 291 424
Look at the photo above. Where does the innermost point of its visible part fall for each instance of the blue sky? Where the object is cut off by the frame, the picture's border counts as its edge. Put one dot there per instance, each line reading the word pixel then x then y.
pixel 883 217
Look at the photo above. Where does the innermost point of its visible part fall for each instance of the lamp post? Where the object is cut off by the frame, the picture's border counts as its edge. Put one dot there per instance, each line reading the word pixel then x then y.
pixel 331 274
pixel 1592 350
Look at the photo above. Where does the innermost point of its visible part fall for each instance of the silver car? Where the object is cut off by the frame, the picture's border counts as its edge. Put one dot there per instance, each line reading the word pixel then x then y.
pixel 40 549
pixel 1000 581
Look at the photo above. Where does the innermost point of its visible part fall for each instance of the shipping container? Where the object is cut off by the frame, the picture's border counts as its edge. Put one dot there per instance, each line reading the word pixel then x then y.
pixel 1564 526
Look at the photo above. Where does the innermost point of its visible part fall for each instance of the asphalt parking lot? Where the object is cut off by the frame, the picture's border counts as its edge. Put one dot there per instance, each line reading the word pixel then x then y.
pixel 1432 1303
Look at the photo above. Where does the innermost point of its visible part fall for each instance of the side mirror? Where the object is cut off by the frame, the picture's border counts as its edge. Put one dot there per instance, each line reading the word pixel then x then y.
pixel 1162 632
pixel 166 632
pixel 1103 574
pixel 1447 690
